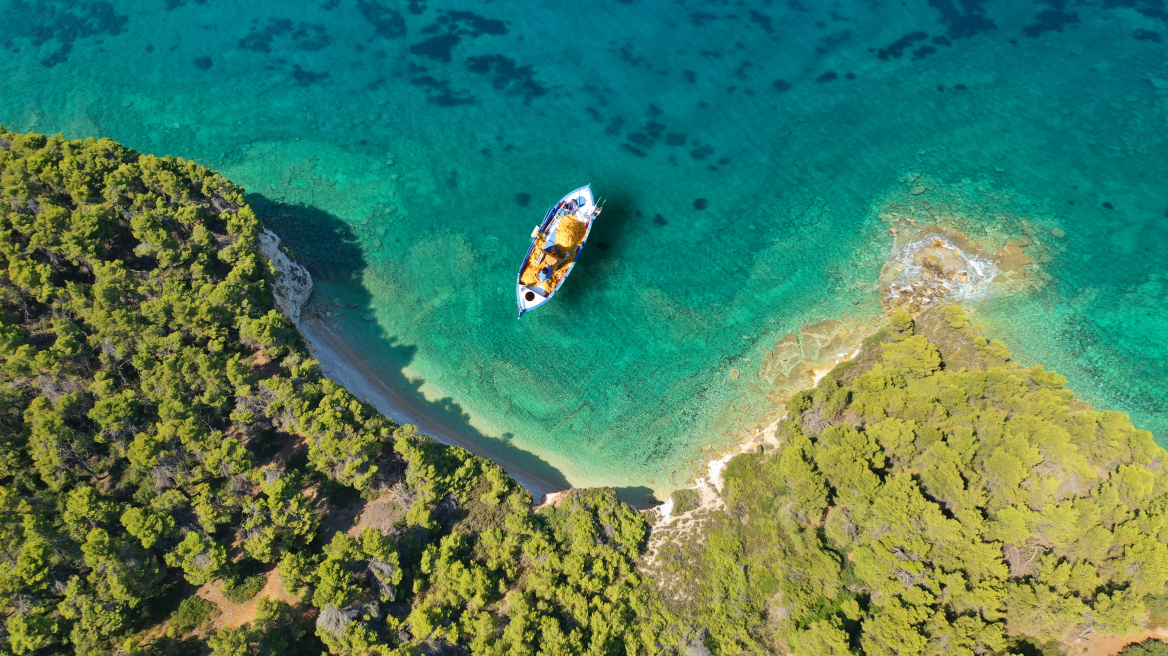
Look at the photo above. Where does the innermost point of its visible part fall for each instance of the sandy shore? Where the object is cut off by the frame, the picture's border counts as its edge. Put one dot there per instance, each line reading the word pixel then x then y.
pixel 709 487
pixel 345 366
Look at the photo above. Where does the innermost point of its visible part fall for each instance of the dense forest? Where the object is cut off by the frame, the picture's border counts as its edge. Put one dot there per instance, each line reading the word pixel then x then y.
pixel 931 497
pixel 166 442
pixel 149 398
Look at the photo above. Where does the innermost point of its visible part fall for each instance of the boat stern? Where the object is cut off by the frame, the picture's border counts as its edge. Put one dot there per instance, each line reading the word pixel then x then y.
pixel 529 298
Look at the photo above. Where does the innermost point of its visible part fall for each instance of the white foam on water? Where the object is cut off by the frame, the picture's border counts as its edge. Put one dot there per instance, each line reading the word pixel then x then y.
pixel 979 270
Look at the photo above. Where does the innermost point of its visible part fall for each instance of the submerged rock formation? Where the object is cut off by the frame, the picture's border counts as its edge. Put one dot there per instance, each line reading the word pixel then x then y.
pixel 293 282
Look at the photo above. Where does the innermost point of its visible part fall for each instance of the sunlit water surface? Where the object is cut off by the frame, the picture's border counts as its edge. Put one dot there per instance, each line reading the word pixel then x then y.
pixel 747 150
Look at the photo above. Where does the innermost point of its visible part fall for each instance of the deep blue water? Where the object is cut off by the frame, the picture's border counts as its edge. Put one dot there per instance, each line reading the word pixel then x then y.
pixel 748 151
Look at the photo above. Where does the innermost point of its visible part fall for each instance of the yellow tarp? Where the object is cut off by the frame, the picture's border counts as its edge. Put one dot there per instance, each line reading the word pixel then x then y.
pixel 529 271
pixel 570 233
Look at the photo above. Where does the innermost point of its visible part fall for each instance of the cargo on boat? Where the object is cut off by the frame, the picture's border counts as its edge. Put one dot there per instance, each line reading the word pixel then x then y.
pixel 555 246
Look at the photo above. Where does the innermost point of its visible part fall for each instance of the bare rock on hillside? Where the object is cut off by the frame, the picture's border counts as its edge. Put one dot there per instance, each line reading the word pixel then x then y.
pixel 293 282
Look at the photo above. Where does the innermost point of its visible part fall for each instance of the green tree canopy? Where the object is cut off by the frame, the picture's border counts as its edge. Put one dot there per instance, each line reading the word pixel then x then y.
pixel 934 497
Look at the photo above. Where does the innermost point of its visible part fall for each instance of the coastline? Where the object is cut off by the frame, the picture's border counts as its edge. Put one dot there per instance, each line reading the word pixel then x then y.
pixel 341 364
pixel 709 487
pixel 797 362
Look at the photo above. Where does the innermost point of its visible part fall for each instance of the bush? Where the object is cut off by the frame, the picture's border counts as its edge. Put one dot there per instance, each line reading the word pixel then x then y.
pixel 978 500
pixel 1146 648
pixel 1157 606
pixel 684 501
pixel 244 588
pixel 193 613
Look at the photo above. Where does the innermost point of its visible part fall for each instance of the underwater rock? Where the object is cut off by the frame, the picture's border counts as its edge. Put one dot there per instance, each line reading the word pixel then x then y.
pixel 293 282
pixel 1011 259
pixel 930 271
pixel 818 340
pixel 779 362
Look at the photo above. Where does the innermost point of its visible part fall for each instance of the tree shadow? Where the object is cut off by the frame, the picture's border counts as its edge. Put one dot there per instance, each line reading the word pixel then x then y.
pixel 333 255
pixel 639 497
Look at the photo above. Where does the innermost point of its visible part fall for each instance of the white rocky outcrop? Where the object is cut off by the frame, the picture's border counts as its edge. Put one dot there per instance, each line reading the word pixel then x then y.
pixel 293 282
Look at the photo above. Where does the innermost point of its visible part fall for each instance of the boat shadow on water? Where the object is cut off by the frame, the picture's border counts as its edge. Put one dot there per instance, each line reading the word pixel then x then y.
pixel 612 234
pixel 333 255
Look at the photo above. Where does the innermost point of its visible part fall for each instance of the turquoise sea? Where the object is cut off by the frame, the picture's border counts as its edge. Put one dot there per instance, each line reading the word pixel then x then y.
pixel 747 149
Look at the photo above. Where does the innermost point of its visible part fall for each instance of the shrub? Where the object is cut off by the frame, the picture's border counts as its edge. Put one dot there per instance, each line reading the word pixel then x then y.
pixel 244 588
pixel 193 613
pixel 684 501
pixel 1146 648
pixel 977 503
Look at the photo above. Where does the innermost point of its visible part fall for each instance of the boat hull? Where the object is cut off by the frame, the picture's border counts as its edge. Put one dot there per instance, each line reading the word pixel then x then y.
pixel 559 242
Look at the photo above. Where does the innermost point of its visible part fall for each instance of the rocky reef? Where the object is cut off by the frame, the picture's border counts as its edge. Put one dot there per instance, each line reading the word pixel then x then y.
pixel 933 265
pixel 794 363
pixel 796 357
pixel 927 266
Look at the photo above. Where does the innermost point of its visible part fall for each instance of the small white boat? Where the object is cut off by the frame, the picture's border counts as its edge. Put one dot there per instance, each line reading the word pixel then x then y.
pixel 555 246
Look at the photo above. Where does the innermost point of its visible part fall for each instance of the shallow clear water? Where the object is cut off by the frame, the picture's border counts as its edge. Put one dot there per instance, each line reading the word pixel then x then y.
pixel 404 150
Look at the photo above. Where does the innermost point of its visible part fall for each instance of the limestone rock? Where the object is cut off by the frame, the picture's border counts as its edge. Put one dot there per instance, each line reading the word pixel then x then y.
pixel 818 339
pixel 293 282
pixel 778 363
pixel 936 266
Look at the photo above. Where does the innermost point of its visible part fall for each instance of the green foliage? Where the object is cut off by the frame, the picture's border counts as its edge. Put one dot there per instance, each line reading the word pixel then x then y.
pixel 30 631
pixel 125 280
pixel 684 501
pixel 1157 606
pixel 230 641
pixel 133 302
pixel 1146 648
pixel 901 323
pixel 956 507
pixel 279 630
pixel 954 315
pixel 192 613
pixel 344 436
pixel 915 356
pixel 282 519
pixel 243 588
pixel 295 570
pixel 201 558
pixel 147 525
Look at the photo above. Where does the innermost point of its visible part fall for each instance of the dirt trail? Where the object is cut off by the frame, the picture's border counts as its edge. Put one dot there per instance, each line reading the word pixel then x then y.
pixel 234 615
pixel 1111 645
